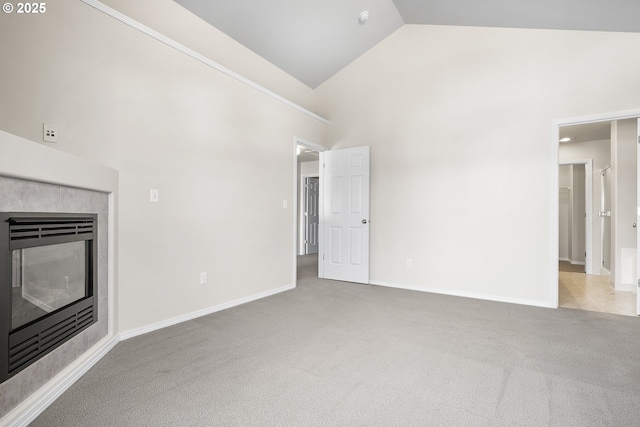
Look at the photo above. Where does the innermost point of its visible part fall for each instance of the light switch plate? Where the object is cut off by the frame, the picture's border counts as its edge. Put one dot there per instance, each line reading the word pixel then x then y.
pixel 154 195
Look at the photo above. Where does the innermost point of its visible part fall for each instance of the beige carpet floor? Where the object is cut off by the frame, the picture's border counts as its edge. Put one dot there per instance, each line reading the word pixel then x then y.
pixel 340 354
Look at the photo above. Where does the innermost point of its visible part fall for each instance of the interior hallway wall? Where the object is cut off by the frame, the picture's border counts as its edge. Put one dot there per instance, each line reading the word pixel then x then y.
pixel 459 123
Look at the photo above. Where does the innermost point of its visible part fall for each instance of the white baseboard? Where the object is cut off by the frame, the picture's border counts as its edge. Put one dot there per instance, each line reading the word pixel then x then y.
pixel 34 405
pixel 190 316
pixel 625 287
pixel 464 294
pixel 572 262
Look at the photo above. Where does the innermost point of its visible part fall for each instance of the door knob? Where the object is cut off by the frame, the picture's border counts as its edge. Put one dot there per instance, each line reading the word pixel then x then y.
pixel 364 221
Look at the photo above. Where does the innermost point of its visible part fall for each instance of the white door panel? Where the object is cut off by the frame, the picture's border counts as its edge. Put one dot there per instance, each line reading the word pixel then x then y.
pixel 311 214
pixel 344 250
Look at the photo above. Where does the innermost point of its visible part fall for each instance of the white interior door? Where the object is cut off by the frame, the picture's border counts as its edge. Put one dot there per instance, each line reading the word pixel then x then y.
pixel 344 219
pixel 311 214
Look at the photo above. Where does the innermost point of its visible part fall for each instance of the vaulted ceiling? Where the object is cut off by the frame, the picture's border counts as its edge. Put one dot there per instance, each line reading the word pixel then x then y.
pixel 314 39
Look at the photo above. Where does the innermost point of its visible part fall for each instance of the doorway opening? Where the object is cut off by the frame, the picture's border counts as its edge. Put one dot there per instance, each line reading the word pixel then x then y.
pixel 307 208
pixel 596 213
pixel 575 214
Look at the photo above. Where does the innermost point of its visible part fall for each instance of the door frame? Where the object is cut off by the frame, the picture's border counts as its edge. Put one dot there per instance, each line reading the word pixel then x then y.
pixel 588 205
pixel 319 148
pixel 553 287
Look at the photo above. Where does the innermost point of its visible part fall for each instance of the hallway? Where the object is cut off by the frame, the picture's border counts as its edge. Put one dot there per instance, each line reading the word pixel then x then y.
pixel 592 293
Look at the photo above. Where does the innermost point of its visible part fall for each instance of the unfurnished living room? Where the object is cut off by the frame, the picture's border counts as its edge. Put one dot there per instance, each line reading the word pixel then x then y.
pixel 368 212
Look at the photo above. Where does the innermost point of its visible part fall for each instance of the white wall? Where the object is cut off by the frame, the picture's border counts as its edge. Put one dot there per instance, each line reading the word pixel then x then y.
pixel 624 136
pixel 219 151
pixel 459 124
pixel 172 20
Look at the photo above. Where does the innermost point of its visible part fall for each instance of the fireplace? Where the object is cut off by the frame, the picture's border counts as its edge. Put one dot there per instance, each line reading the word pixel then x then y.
pixel 48 271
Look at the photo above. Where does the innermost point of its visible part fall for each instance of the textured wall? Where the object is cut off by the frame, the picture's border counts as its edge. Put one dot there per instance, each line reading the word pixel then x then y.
pixel 27 196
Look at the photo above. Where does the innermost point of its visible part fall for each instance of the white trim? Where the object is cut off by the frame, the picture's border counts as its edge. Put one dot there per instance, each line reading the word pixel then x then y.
pixel 564 259
pixel 312 145
pixel 194 315
pixel 625 287
pixel 29 409
pixel 553 193
pixel 195 55
pixel 113 263
pixel 486 297
pixel 602 117
pixel 577 263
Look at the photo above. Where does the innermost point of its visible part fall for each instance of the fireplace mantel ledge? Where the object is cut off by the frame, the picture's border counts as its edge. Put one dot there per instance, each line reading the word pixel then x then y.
pixel 28 160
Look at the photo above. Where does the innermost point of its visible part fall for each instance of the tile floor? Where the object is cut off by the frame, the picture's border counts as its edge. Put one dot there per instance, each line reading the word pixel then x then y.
pixel 593 293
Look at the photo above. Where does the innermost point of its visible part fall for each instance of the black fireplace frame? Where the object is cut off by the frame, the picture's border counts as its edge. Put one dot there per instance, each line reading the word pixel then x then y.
pixel 28 343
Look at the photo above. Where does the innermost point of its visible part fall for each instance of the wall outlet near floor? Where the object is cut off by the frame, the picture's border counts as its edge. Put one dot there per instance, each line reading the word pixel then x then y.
pixel 203 278
pixel 409 262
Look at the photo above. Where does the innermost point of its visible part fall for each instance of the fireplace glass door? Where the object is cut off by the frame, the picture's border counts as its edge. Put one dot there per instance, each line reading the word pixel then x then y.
pixel 46 278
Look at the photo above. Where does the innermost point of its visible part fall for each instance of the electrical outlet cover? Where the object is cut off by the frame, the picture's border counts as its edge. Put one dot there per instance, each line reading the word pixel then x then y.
pixel 49 132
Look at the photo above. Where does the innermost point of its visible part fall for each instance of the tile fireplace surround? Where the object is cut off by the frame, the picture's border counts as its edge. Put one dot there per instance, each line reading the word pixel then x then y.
pixel 36 178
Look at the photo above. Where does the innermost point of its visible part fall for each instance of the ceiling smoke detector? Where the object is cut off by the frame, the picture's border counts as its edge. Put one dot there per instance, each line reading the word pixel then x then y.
pixel 364 15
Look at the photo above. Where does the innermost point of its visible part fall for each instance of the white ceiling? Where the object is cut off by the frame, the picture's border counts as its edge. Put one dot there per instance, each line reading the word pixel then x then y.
pixel 307 154
pixel 587 132
pixel 313 40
